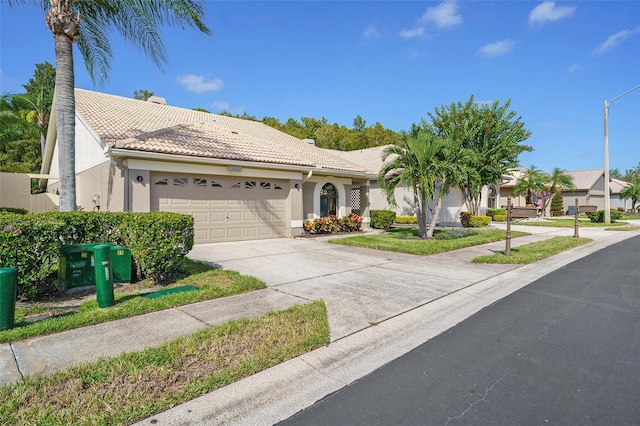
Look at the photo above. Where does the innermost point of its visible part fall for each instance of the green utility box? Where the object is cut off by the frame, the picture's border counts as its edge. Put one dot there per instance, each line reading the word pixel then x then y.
pixel 76 265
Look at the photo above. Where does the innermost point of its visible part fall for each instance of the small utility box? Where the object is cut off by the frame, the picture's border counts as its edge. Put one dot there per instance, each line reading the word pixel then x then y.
pixel 76 265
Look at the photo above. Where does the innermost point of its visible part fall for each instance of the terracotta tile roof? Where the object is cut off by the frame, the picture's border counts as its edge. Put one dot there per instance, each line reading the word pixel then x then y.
pixel 136 125
pixel 370 158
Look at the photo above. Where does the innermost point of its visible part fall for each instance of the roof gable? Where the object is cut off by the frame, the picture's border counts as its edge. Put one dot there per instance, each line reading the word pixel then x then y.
pixel 135 125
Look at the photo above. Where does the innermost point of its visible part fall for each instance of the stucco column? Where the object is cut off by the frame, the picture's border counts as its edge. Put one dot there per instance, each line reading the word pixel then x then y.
pixel 295 207
pixel 365 206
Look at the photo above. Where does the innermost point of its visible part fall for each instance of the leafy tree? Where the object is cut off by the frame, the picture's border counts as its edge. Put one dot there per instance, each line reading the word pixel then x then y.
pixel 19 136
pixel 421 161
pixel 202 110
pixel 142 95
pixel 615 174
pixel 632 192
pixel 492 137
pixel 359 124
pixel 39 98
pixel 533 180
pixel 88 24
pixel 632 175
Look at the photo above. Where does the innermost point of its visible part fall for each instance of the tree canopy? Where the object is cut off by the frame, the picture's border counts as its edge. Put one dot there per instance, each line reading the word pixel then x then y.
pixel 491 136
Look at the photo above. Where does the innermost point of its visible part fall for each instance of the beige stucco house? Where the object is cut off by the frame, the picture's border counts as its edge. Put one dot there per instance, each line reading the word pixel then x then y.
pixel 239 179
pixel 452 204
pixel 589 189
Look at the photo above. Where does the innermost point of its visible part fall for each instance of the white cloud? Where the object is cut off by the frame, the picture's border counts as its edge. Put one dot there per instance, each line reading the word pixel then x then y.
pixel 547 11
pixel 371 31
pixel 575 67
pixel 443 15
pixel 497 48
pixel 415 32
pixel 615 40
pixel 199 84
pixel 220 106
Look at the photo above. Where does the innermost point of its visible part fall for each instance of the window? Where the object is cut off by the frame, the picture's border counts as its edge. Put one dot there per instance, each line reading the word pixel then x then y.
pixel 265 185
pixel 215 184
pixel 179 181
pixel 200 182
pixel 163 181
pixel 250 185
pixel 328 200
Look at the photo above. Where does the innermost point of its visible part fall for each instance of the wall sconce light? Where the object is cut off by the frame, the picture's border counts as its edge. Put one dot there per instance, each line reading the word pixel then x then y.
pixel 297 186
pixel 96 202
pixel 139 178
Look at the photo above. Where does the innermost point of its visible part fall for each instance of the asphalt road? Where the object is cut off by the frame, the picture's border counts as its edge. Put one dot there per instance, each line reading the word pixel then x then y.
pixel 564 350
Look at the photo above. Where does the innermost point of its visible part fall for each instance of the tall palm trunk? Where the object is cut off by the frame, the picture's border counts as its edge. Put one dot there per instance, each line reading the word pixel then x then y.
pixel 436 212
pixel 65 121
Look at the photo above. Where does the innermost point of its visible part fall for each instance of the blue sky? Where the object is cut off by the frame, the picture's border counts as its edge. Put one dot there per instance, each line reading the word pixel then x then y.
pixel 391 62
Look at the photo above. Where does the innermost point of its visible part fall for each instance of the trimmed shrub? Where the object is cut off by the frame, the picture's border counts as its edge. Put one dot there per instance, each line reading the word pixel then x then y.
pixel 557 205
pixel 382 219
pixel 406 220
pixel 598 216
pixel 479 221
pixel 493 212
pixel 30 244
pixel 159 241
pixel 500 218
pixel 331 224
pixel 454 234
pixel 465 219
pixel 13 210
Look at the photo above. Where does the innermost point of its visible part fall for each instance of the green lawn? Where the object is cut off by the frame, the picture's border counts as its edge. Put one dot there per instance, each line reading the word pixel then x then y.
pixel 533 252
pixel 406 241
pixel 213 283
pixel 137 385
pixel 567 223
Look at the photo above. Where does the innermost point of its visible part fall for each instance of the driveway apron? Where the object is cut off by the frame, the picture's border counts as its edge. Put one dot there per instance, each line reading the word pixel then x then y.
pixel 360 287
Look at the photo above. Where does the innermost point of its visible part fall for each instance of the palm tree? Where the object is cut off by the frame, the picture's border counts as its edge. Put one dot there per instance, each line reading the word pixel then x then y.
pixel 18 136
pixel 631 191
pixel 87 23
pixel 419 162
pixel 531 181
pixel 557 180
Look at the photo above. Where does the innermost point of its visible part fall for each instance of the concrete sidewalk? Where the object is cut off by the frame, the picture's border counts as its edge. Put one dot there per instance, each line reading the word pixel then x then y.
pixel 380 306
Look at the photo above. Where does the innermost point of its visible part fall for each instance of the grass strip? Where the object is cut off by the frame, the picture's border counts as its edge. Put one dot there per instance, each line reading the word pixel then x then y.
pixel 213 284
pixel 391 242
pixel 623 228
pixel 137 385
pixel 567 223
pixel 532 252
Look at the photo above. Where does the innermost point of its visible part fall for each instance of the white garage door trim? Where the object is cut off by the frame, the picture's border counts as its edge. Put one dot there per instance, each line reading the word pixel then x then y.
pixel 224 208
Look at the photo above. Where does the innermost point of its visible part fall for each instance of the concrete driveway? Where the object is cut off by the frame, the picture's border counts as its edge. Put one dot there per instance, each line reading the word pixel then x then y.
pixel 360 287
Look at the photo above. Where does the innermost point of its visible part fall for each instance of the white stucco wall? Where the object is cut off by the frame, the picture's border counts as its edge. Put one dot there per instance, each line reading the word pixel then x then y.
pixel 89 151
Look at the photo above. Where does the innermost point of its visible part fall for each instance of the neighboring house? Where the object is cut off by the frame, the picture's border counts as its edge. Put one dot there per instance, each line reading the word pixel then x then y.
pixel 239 179
pixel 589 189
pixel 452 204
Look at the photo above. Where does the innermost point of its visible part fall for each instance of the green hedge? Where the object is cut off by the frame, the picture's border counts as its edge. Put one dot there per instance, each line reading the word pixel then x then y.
pixel 13 210
pixel 159 241
pixel 382 219
pixel 406 220
pixel 500 217
pixel 470 221
pixel 493 212
pixel 598 216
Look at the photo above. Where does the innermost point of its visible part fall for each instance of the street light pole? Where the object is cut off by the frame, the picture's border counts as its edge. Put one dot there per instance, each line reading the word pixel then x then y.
pixel 607 196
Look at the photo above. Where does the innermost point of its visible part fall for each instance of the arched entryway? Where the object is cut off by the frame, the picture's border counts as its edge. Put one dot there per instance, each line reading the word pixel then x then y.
pixel 328 200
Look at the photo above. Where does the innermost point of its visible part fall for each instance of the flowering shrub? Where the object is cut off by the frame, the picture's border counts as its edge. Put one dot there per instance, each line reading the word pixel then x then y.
pixel 331 224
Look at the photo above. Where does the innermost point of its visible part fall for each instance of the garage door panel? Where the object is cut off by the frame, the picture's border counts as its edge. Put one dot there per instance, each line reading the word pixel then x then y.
pixel 224 209
pixel 218 216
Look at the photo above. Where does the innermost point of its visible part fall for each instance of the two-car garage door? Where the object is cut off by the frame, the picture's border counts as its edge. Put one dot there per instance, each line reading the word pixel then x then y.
pixel 223 208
